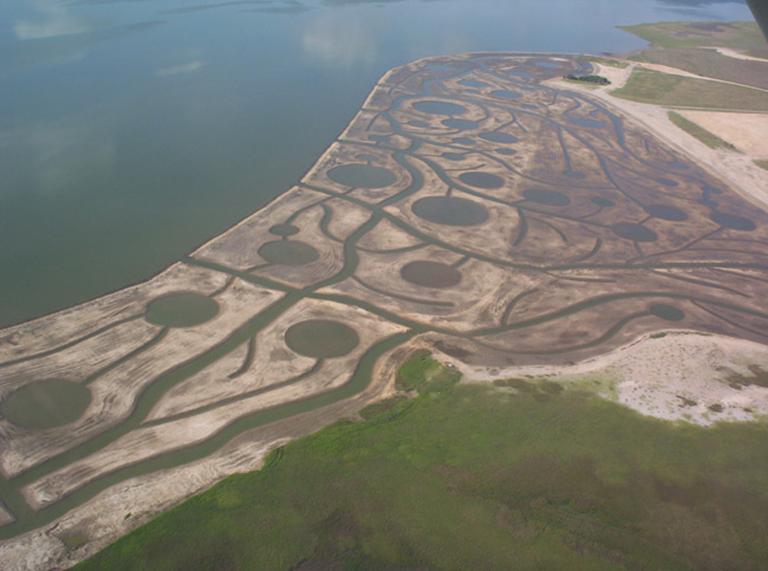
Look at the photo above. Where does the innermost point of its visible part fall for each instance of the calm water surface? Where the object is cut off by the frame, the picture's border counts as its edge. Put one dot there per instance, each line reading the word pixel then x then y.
pixel 131 131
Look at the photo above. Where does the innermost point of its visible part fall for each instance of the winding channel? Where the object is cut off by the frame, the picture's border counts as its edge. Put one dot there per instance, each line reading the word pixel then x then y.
pixel 529 211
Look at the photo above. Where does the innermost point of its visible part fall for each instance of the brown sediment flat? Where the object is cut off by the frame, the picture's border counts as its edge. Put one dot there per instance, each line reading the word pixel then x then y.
pixel 508 222
pixel 193 423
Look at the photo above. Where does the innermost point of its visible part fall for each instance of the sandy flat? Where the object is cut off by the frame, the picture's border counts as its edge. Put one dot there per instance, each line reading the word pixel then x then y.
pixel 728 52
pixel 560 237
pixel 134 502
pixel 748 132
pixel 681 376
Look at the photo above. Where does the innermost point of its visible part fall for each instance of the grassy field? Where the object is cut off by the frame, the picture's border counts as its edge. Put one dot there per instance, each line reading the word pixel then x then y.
pixel 521 475
pixel 676 91
pixel 709 139
pixel 709 63
pixel 743 36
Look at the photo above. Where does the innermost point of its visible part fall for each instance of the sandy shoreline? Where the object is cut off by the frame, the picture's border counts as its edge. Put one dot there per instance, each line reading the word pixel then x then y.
pixel 541 273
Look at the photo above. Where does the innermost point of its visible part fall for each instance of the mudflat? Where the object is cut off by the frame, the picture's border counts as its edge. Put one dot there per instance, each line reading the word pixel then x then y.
pixel 468 206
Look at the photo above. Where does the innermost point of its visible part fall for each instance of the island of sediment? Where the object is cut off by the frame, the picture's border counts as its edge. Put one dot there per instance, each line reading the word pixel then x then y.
pixel 478 206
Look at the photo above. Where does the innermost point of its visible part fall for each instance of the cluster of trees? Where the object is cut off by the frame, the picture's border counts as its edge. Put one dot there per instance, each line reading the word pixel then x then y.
pixel 598 79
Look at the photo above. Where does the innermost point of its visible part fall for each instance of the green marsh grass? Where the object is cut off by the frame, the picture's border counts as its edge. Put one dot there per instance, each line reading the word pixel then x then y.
pixel 467 476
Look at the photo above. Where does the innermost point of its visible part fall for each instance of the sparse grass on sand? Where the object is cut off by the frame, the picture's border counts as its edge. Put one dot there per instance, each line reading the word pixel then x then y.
pixel 709 139
pixel 649 86
pixel 517 475
pixel 742 36
pixel 608 61
pixel 710 63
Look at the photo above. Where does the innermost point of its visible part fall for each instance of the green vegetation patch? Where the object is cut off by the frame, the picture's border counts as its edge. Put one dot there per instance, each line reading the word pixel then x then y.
pixel 423 373
pixel 710 63
pixel 479 477
pixel 649 86
pixel 762 163
pixel 383 407
pixel 709 139
pixel 596 79
pixel 757 377
pixel 540 389
pixel 744 36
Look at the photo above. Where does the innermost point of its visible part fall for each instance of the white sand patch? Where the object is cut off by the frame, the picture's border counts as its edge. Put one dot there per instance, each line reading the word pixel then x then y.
pixel 616 75
pixel 728 52
pixel 748 132
pixel 682 376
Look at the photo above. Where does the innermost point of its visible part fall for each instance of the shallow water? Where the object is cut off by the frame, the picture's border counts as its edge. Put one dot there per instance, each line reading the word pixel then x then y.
pixel 46 404
pixel 132 131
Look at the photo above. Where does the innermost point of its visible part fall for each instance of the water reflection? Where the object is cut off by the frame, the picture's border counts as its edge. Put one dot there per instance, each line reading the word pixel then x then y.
pixel 182 68
pixel 214 5
pixel 54 19
pixel 133 130
pixel 340 41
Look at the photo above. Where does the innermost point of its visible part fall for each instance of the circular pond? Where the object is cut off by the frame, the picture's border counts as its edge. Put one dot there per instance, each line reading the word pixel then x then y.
pixel 439 108
pixel 548 197
pixel 46 404
pixel 732 222
pixel 430 274
pixel 450 210
pixel 181 309
pixel 321 338
pixel 482 180
pixel 666 212
pixel 632 231
pixel 363 176
pixel 283 230
pixel 666 312
pixel 288 253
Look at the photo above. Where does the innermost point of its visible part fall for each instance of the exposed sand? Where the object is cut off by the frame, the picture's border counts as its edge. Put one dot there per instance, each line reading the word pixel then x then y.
pixel 114 512
pixel 676 377
pixel 728 52
pixel 149 441
pixel 549 273
pixel 58 329
pixel 114 393
pixel 748 132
